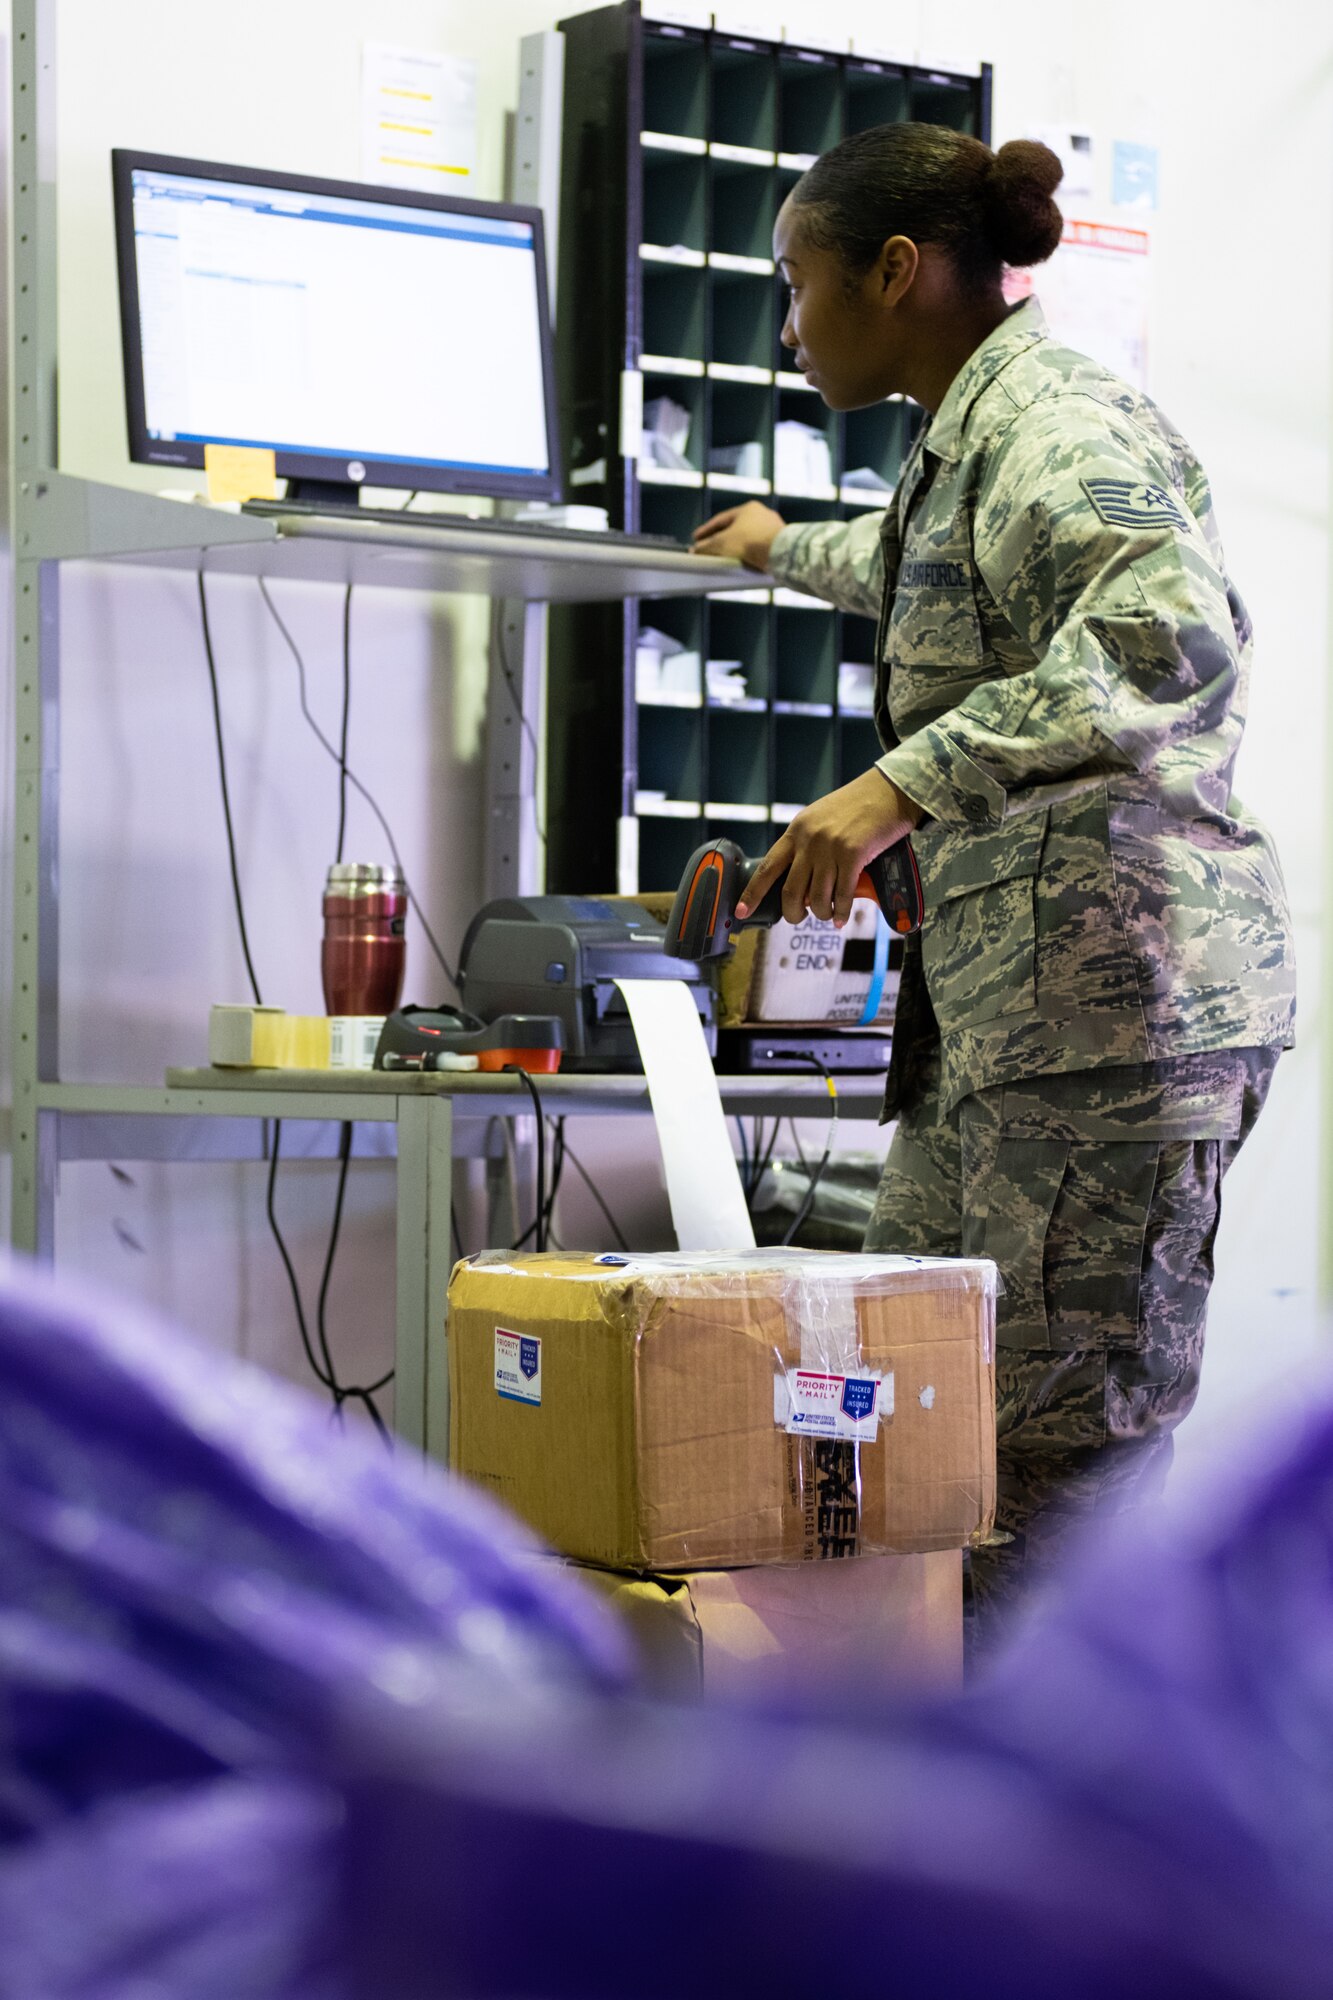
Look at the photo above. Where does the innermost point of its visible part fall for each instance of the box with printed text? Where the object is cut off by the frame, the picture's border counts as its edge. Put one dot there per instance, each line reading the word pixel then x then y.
pixel 695 1411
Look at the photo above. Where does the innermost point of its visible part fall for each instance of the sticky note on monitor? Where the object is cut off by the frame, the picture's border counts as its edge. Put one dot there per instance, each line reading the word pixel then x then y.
pixel 240 472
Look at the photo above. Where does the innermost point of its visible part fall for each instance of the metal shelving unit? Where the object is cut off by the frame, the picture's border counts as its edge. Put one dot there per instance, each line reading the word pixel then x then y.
pixel 58 518
pixel 680 145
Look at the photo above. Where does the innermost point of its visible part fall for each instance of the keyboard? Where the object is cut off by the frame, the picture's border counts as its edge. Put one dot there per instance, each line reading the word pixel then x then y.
pixel 432 522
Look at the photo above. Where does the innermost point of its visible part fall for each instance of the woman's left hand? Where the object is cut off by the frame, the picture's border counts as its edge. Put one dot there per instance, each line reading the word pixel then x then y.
pixel 827 846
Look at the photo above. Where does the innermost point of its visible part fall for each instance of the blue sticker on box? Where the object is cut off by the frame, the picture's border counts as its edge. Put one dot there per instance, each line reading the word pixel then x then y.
pixel 518 1366
pixel 858 1397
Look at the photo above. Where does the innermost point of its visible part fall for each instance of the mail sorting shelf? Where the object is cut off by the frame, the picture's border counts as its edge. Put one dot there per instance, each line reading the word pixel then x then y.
pixel 679 147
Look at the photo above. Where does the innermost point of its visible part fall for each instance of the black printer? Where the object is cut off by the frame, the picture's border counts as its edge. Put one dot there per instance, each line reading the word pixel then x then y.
pixel 561 955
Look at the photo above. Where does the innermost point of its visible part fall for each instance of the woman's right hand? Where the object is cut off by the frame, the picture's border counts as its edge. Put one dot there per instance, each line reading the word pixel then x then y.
pixel 740 534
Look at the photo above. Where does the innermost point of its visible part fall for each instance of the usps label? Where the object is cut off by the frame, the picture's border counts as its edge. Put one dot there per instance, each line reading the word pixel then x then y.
pixel 518 1366
pixel 809 1403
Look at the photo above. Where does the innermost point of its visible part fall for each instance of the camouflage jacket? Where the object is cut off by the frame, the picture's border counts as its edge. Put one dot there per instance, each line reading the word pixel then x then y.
pixel 1061 684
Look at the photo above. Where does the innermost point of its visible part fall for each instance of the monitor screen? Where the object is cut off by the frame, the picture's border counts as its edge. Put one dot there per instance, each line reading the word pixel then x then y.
pixel 366 335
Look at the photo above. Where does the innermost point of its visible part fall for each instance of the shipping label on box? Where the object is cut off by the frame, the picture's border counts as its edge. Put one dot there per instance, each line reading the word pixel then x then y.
pixel 518 1367
pixel 808 1402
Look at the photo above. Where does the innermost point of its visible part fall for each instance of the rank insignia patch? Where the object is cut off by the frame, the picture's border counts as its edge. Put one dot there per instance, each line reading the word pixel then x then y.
pixel 1123 504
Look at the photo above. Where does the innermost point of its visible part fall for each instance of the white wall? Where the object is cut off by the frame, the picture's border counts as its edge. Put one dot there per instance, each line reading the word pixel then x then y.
pixel 1240 357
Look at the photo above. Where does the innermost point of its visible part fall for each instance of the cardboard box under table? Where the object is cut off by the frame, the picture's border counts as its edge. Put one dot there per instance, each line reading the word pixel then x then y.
pixel 692 1412
pixel 882 1624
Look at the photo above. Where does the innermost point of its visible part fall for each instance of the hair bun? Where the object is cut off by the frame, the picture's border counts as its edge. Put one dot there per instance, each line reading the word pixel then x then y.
pixel 1023 222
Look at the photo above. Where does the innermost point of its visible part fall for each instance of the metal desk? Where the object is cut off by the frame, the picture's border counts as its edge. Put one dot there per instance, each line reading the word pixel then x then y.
pixel 423 1121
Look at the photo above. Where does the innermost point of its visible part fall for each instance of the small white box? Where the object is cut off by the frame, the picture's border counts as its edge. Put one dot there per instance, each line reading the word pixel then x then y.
pixel 800 974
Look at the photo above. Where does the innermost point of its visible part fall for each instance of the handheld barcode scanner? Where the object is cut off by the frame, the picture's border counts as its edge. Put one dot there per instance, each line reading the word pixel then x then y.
pixel 703 917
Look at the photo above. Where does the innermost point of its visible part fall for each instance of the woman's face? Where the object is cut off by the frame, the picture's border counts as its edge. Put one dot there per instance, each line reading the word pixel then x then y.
pixel 839 329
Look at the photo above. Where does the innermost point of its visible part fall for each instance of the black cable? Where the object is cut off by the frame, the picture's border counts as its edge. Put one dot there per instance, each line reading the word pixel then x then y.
pixel 497 624
pixel 808 1055
pixel 344 1157
pixel 557 1169
pixel 346 719
pixel 287 1264
pixel 226 797
pixel 355 782
pixel 764 1158
pixel 745 1152
pixel 325 1376
pixel 591 1186
pixel 525 1076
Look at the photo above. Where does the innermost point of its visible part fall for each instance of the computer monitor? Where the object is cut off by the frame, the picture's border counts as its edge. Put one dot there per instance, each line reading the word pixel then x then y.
pixel 366 335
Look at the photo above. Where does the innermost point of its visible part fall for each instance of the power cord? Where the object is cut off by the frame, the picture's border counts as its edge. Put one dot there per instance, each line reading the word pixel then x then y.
pixel 548 1209
pixel 809 1056
pixel 498 647
pixel 541 1217
pixel 346 721
pixel 325 1375
pixel 354 782
pixel 226 795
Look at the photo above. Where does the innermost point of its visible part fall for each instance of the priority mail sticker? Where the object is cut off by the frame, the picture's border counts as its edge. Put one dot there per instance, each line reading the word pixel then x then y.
pixel 810 1403
pixel 518 1366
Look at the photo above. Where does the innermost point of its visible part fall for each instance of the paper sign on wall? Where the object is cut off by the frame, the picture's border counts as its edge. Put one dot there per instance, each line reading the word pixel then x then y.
pixel 1134 174
pixel 418 117
pixel 1094 292
pixel 1075 154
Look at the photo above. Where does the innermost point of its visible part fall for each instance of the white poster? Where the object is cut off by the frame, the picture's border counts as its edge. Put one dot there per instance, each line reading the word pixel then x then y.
pixel 1094 292
pixel 418 117
pixel 1075 154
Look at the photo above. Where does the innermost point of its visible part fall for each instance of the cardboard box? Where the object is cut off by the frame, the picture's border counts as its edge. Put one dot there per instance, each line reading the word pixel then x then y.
pixel 815 972
pixel 883 1623
pixel 685 1412
pixel 807 973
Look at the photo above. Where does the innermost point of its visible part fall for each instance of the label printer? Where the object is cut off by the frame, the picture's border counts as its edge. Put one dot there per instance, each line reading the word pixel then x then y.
pixel 561 955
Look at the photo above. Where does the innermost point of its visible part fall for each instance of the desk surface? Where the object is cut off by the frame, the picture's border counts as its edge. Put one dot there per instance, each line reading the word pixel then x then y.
pixel 764 1096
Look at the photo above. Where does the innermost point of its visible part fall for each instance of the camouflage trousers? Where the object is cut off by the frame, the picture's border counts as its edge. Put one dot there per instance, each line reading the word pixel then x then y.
pixel 1098 1196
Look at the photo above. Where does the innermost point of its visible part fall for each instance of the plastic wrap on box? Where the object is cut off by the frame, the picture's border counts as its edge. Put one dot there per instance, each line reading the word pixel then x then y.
pixel 692 1411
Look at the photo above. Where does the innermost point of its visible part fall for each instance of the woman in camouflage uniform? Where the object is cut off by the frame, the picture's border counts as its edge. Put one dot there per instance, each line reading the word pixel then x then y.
pixel 1089 1024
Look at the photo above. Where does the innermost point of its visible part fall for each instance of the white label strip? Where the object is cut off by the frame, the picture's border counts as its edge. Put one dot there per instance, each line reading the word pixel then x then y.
pixel 671 142
pixel 672 253
pixel 745 156
pixel 670 364
pixel 703 1184
pixel 353 1040
pixel 631 413
pixel 810 1403
pixel 731 260
pixel 627 856
pixel 739 371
